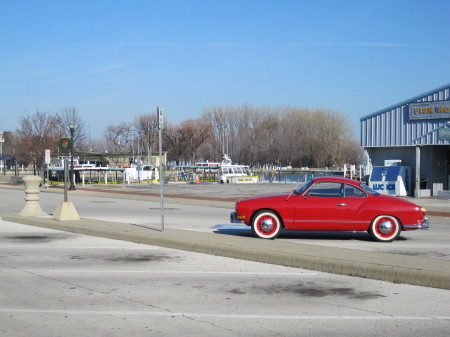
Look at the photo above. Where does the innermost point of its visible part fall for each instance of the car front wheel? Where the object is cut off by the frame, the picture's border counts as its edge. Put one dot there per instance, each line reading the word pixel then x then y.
pixel 266 225
pixel 385 228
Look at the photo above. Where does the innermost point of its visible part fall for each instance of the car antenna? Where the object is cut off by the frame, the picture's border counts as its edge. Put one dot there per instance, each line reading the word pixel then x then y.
pixel 292 192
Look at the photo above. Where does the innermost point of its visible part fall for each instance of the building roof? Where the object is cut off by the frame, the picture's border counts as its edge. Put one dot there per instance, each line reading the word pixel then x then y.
pixel 394 126
pixel 408 101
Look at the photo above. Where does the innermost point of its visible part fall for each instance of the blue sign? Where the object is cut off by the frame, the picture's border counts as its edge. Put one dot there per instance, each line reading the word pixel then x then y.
pixel 429 110
pixel 382 187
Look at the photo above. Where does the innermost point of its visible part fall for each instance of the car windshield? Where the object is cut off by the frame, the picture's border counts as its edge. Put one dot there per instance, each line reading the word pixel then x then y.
pixel 303 188
pixel 369 190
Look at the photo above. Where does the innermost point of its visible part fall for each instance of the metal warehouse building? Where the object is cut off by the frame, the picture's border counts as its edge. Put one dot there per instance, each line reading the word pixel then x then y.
pixel 414 133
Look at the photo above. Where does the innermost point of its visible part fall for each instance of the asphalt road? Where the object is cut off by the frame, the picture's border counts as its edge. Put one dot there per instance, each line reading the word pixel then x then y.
pixel 55 283
pixel 432 243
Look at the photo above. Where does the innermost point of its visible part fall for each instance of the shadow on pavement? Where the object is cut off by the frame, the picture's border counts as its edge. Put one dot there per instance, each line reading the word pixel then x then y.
pixel 243 230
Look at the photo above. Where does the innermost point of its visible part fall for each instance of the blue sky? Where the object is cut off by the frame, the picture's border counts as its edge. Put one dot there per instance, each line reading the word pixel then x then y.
pixel 114 60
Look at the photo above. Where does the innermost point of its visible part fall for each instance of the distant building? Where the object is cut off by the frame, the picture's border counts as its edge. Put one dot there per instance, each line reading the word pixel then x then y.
pixel 417 133
pixel 119 159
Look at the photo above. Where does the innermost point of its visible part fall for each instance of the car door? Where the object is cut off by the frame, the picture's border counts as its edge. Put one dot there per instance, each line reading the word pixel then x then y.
pixel 354 199
pixel 322 207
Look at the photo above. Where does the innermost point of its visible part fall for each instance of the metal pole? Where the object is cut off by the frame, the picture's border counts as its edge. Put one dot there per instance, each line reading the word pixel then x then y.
pixel 1 152
pixel 66 173
pixel 72 130
pixel 417 190
pixel 148 144
pixel 161 173
pixel 161 182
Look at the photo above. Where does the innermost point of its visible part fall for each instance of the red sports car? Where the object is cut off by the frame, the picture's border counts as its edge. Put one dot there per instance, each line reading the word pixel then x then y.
pixel 330 204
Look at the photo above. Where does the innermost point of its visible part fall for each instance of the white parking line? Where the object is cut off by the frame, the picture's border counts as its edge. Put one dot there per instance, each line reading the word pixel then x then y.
pixel 204 315
pixel 78 247
pixel 76 271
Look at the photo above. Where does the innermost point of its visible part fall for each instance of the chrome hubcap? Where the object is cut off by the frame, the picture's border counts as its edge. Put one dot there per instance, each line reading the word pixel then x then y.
pixel 266 225
pixel 385 227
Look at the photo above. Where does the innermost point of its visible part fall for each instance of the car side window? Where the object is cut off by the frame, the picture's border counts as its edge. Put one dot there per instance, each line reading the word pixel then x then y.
pixel 353 192
pixel 326 190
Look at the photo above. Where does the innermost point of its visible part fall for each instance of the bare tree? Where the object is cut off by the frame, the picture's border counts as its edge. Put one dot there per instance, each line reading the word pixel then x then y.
pixel 119 138
pixel 174 142
pixel 146 131
pixel 293 136
pixel 71 115
pixel 268 140
pixel 218 118
pixel 248 134
pixel 184 141
pixel 98 145
pixel 195 134
pixel 329 132
pixel 35 134
pixel 8 146
pixel 352 152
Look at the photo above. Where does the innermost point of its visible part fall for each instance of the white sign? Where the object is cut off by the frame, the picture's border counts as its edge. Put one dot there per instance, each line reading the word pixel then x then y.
pixel 47 157
pixel 160 116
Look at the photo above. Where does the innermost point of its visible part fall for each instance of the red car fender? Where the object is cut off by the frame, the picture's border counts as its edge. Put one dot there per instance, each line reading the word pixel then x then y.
pixel 278 203
pixel 405 211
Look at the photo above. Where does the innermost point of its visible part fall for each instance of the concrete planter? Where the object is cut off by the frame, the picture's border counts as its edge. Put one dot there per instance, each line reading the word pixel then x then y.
pixel 32 206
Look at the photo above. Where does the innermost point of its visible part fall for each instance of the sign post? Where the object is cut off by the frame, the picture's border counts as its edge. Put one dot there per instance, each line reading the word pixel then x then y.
pixel 160 116
pixel 2 163
pixel 47 163
pixel 66 175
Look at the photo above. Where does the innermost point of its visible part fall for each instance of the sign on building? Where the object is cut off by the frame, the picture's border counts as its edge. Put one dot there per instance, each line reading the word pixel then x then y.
pixel 429 110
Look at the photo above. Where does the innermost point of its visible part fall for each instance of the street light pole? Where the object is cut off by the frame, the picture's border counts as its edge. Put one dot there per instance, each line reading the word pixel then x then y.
pixel 72 130
pixel 159 112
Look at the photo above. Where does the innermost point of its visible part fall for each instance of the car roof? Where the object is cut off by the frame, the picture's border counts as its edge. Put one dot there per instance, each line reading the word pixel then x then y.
pixel 337 179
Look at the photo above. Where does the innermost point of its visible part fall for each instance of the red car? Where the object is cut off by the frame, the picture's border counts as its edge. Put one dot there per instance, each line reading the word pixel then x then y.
pixel 330 204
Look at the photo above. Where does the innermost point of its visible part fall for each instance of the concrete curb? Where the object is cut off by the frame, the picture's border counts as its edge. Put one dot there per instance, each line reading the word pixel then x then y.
pixel 394 268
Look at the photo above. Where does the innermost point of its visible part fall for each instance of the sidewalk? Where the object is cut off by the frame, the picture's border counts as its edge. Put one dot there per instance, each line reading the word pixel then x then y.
pixel 397 268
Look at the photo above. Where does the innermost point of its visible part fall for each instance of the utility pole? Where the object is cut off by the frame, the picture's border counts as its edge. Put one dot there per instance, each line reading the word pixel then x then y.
pixel 1 152
pixel 159 112
pixel 72 178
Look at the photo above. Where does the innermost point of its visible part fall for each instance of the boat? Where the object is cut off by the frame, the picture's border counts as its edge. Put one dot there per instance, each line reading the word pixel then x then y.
pixel 229 173
pixel 141 172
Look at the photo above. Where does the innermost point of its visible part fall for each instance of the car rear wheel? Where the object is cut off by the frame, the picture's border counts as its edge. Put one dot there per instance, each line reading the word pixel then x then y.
pixel 266 225
pixel 385 228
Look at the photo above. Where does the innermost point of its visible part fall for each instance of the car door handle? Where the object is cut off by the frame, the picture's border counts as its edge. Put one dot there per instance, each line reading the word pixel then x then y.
pixel 341 204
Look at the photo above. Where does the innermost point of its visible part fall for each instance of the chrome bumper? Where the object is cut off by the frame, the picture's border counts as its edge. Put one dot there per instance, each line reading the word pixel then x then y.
pixel 234 219
pixel 425 225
